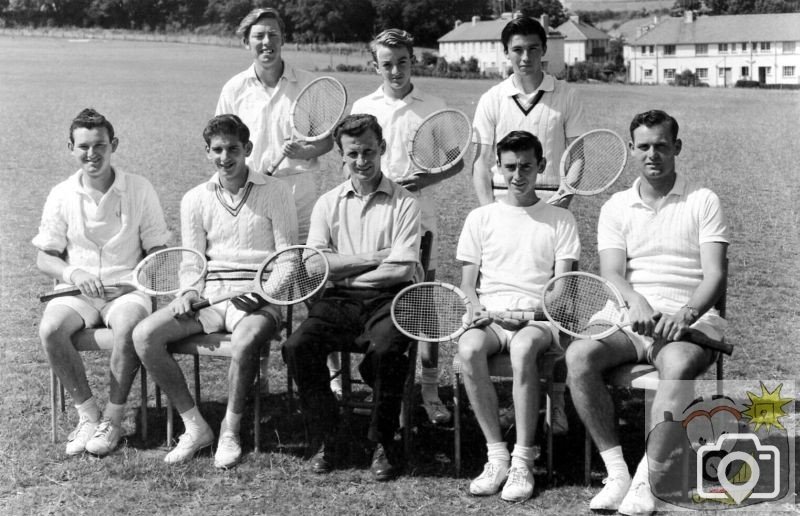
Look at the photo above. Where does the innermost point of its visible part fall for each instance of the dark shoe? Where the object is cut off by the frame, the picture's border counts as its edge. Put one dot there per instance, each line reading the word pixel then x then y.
pixel 382 466
pixel 324 460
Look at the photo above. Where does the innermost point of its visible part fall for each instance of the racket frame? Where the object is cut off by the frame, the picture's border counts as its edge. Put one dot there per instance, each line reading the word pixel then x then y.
pixel 462 153
pixel 293 109
pixel 579 141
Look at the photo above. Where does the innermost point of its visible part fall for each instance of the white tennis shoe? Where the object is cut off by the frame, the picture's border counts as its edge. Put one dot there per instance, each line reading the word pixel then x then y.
pixel 490 480
pixel 612 494
pixel 76 442
pixel 188 445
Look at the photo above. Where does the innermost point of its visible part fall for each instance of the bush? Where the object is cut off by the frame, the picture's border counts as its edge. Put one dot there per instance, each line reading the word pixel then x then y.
pixel 742 83
pixel 341 67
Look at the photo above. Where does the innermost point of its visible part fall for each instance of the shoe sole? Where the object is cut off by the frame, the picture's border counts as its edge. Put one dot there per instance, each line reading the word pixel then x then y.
pixel 516 500
pixel 190 457
pixel 228 466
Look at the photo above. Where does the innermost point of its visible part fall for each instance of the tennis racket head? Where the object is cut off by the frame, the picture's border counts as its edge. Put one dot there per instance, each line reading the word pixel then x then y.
pixel 583 305
pixel 441 140
pixel 593 162
pixel 292 275
pixel 432 311
pixel 169 270
pixel 318 108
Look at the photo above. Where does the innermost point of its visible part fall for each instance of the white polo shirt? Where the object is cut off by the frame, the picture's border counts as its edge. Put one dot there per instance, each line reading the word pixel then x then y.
pixel 557 116
pixel 663 247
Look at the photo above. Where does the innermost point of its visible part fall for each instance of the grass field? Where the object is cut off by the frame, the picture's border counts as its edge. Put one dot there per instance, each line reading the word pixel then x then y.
pixel 741 143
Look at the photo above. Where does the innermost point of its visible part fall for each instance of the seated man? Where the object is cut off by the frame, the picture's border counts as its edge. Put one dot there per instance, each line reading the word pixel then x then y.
pixel 663 243
pixel 96 226
pixel 236 219
pixel 369 229
pixel 510 249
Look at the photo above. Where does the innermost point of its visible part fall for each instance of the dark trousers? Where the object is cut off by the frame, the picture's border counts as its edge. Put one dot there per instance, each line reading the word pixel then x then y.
pixel 358 322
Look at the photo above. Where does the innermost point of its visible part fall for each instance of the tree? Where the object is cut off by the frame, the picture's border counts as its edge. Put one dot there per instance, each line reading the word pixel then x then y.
pixel 427 20
pixel 536 8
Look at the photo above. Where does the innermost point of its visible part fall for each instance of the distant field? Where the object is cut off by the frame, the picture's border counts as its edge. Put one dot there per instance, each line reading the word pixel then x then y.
pixel 741 143
pixel 617 5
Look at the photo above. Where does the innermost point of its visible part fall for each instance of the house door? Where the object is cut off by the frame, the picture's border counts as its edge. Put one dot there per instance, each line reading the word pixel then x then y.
pixel 762 74
pixel 727 77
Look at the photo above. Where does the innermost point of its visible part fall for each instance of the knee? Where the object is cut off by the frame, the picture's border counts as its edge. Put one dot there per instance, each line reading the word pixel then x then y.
pixel 51 334
pixel 144 340
pixel 471 351
pixel 578 358
pixel 246 349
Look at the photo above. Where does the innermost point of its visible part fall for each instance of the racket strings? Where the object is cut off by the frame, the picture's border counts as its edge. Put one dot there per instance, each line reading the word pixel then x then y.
pixel 171 270
pixel 441 140
pixel 293 275
pixel 594 161
pixel 579 303
pixel 319 108
pixel 429 311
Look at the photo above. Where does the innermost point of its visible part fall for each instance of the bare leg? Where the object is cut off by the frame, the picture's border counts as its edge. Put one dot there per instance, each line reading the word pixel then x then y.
pixel 474 348
pixel 58 325
pixel 124 361
pixel 525 348
pixel 247 338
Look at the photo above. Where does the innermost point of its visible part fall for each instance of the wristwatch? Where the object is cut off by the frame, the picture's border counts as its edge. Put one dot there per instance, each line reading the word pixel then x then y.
pixel 693 311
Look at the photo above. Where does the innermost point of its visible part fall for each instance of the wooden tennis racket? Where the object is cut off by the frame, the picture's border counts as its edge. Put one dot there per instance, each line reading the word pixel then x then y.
pixel 441 141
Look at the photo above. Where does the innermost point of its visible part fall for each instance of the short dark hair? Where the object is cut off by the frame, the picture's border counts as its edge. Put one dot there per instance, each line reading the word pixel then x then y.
pixel 392 38
pixel 256 14
pixel 523 26
pixel 655 117
pixel 517 141
pixel 356 125
pixel 226 124
pixel 89 118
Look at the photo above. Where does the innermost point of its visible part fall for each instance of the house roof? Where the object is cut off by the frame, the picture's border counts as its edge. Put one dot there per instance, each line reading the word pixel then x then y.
pixel 576 31
pixel 724 29
pixel 488 30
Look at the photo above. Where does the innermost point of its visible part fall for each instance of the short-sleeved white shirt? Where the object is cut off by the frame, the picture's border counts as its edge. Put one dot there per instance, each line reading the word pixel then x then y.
pixel 516 249
pixel 557 116
pixel 663 247
pixel 139 224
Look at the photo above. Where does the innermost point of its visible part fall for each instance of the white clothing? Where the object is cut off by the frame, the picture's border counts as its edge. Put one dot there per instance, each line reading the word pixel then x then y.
pixel 516 249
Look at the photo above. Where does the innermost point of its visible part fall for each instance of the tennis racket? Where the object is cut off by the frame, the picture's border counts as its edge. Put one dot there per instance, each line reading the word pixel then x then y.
pixel 286 277
pixel 439 312
pixel 315 112
pixel 440 141
pixel 587 306
pixel 591 164
pixel 161 273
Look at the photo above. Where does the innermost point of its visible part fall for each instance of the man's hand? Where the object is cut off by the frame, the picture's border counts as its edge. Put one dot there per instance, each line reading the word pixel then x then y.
pixel 249 302
pixel 414 183
pixel 90 285
pixel 182 305
pixel 672 327
pixel 511 323
pixel 642 316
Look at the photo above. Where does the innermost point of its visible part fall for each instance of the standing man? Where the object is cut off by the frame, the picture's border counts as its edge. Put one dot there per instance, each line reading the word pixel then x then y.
pixel 368 228
pixel 529 100
pixel 96 226
pixel 262 97
pixel 400 108
pixel 663 244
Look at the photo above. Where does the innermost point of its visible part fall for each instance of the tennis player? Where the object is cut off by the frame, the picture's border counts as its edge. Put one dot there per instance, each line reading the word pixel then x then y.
pixel 236 219
pixel 262 97
pixel 509 250
pixel 663 243
pixel 368 228
pixel 96 226
pixel 400 107
pixel 531 100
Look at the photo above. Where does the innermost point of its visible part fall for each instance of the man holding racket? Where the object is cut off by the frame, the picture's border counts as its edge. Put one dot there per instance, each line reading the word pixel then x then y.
pixel 368 228
pixel 529 100
pixel 400 107
pixel 663 244
pixel 262 97
pixel 96 226
pixel 236 219
pixel 509 250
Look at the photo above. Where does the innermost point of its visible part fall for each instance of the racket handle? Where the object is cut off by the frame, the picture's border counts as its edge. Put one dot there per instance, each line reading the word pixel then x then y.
pixel 703 340
pixel 60 293
pixel 205 303
pixel 271 170
pixel 517 315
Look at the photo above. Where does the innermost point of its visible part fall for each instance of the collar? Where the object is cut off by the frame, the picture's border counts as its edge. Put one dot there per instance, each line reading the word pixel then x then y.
pixel 119 185
pixel 415 94
pixel 257 179
pixel 509 89
pixel 678 189
pixel 385 186
pixel 289 73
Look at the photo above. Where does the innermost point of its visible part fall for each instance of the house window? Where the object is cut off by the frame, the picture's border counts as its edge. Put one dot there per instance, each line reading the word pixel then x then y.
pixel 788 47
pixel 722 48
pixel 745 71
pixel 701 73
pixel 765 46
pixel 669 73
pixel 648 73
pixel 788 71
pixel 733 48
pixel 768 70
pixel 643 49
pixel 669 50
pixel 723 71
pixel 701 50
pixel 744 47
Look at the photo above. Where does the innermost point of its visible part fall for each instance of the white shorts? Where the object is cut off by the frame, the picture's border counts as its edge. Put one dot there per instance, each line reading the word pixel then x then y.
pixel 644 345
pixel 505 336
pixel 223 317
pixel 96 311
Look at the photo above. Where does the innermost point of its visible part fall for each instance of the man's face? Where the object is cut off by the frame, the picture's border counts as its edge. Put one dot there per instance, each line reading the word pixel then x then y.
pixel 92 149
pixel 654 150
pixel 362 156
pixel 265 41
pixel 520 168
pixel 228 155
pixel 525 52
pixel 394 66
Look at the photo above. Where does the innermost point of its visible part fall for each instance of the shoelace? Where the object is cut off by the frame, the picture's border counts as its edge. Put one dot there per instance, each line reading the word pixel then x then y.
pixel 516 476
pixel 229 440
pixel 490 471
pixel 104 428
pixel 82 425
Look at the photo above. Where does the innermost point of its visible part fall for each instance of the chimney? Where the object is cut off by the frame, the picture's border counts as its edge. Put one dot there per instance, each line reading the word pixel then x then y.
pixel 458 22
pixel 688 16
pixel 655 20
pixel 639 32
pixel 575 18
pixel 475 20
pixel 545 21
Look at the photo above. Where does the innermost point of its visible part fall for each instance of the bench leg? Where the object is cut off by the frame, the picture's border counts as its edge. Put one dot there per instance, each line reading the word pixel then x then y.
pixel 143 402
pixel 457 423
pixel 54 390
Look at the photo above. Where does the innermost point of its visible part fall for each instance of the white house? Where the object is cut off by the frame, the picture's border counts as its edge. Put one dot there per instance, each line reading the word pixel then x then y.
pixel 481 39
pixel 719 50
pixel 583 42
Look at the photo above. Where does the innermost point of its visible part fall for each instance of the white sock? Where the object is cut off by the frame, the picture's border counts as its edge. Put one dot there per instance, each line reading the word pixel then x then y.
pixel 429 383
pixel 615 462
pixel 498 453
pixel 193 421
pixel 232 422
pixel 522 456
pixel 114 412
pixel 89 410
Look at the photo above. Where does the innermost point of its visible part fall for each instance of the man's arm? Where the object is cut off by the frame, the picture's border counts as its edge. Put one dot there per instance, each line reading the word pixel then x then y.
pixel 482 174
pixel 613 264
pixel 424 180
pixel 299 149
